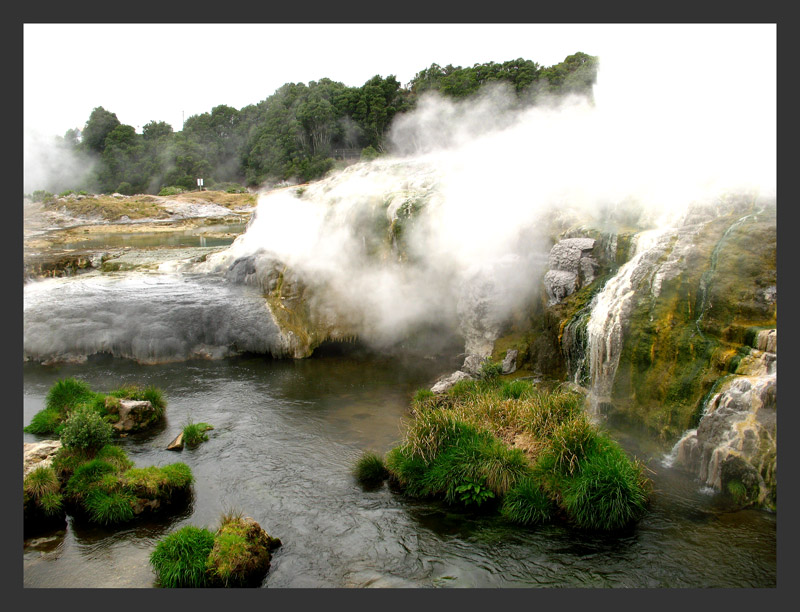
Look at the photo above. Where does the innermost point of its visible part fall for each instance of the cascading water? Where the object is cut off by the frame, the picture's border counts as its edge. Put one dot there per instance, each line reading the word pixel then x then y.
pixel 146 317
pixel 608 317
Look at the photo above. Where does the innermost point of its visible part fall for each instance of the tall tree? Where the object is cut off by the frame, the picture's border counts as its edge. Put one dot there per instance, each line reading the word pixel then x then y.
pixel 101 122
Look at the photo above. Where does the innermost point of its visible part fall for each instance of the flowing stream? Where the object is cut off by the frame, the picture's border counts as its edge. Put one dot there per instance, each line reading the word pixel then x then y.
pixel 286 436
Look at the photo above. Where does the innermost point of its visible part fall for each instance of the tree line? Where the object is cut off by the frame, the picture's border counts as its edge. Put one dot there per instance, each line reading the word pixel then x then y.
pixel 297 132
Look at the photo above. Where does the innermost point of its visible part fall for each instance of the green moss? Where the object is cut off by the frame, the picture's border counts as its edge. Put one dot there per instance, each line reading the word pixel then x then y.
pixel 697 330
pixel 241 553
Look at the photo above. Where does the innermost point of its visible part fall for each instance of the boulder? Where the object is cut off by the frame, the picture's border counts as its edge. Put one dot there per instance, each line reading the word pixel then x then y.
pixel 473 365
pixel 177 443
pixel 38 454
pixel 444 384
pixel 241 553
pixel 510 361
pixel 133 414
pixel 572 266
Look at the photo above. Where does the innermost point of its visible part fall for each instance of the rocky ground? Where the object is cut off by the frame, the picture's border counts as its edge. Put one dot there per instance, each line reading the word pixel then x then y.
pixel 52 232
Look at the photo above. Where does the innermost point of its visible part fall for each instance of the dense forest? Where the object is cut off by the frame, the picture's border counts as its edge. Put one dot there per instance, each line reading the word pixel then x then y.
pixel 296 134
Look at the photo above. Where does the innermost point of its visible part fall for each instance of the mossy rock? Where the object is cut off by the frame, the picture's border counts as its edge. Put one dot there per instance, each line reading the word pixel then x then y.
pixel 240 556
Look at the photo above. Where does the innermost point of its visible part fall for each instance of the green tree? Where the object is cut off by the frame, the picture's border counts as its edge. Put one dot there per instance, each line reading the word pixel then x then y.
pixel 100 124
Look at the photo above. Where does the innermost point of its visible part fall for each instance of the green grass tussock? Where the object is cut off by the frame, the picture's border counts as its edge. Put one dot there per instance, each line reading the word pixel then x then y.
pixel 369 470
pixel 195 433
pixel 42 488
pixel 527 504
pixel 236 555
pixel 607 493
pixel 109 507
pixel 179 559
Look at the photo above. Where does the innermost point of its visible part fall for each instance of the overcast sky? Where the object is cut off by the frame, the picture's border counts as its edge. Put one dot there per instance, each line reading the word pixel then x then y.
pixel 168 72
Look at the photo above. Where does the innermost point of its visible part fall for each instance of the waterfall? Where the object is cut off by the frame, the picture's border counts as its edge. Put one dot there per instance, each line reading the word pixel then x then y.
pixel 608 318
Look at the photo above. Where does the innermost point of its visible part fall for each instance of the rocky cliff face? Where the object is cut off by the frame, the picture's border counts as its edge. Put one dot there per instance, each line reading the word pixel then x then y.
pixel 656 331
pixel 734 447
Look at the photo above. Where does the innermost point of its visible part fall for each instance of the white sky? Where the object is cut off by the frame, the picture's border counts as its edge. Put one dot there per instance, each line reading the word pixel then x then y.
pixel 163 72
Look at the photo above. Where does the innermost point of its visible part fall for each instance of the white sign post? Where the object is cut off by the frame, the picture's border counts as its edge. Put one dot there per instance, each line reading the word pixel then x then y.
pixel 200 183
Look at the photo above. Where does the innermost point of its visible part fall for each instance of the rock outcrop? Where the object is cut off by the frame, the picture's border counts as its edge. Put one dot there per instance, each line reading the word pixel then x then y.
pixel 734 447
pixel 133 415
pixel 38 454
pixel 445 383
pixel 572 266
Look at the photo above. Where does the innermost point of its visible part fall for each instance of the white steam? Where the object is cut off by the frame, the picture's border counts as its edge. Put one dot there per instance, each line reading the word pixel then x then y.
pixel 50 165
pixel 498 183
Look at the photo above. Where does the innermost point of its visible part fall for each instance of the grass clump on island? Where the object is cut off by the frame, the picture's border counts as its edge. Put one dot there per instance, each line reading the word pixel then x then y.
pixel 97 479
pixel 238 554
pixel 42 494
pixel 195 433
pixel 70 394
pixel 529 453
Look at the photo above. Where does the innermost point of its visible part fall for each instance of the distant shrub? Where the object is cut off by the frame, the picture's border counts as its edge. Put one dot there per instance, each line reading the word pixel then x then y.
pixel 66 193
pixel 370 470
pixel 490 370
pixel 369 153
pixel 230 187
pixel 125 188
pixel 171 190
pixel 85 429
pixel 179 560
pixel 41 195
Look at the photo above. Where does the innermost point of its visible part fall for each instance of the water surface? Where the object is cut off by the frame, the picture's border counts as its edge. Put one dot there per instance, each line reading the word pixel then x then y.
pixel 286 436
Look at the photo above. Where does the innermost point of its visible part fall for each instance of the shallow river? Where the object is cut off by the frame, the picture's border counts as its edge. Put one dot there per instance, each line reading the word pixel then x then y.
pixel 286 436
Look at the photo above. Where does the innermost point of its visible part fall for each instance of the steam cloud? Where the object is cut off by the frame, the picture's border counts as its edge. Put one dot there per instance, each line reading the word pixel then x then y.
pixel 50 165
pixel 497 181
